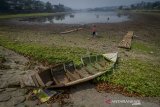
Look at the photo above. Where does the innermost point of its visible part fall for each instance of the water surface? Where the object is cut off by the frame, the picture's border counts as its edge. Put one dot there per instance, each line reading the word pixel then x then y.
pixel 80 18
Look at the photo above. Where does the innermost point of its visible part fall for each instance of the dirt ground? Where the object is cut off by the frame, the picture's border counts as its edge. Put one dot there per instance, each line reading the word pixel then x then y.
pixel 82 95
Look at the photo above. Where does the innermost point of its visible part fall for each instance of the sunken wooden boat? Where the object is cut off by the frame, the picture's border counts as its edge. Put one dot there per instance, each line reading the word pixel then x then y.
pixel 69 31
pixel 66 74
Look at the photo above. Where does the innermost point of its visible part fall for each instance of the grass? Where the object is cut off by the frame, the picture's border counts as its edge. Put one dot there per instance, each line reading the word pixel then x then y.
pixel 142 47
pixel 24 15
pixel 51 54
pixel 137 76
pixel 144 11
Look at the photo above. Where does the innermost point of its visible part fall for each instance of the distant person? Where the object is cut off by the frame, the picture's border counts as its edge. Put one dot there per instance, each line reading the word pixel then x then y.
pixel 94 31
pixel 107 19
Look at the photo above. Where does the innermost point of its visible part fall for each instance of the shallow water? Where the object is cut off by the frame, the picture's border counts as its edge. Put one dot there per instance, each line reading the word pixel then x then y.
pixel 80 18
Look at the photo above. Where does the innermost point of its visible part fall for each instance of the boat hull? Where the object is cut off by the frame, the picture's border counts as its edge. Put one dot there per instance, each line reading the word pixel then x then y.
pixel 66 74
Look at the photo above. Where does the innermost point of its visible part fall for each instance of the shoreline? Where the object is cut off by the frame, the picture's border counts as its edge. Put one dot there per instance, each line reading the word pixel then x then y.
pixel 19 15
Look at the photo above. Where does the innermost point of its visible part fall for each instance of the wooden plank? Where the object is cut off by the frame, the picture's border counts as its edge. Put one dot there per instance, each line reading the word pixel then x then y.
pixel 130 33
pixel 83 72
pixel 81 75
pixel 45 76
pixel 35 80
pixel 56 81
pixel 69 31
pixel 49 83
pixel 99 67
pixel 91 73
pixel 126 41
pixel 40 82
pixel 70 76
pixel 102 64
pixel 76 75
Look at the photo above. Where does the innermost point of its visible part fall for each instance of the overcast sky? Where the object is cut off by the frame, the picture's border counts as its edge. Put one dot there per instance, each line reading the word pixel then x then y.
pixel 82 4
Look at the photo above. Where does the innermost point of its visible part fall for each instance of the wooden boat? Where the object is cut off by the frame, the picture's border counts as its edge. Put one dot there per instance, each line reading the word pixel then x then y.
pixel 127 40
pixel 66 74
pixel 69 31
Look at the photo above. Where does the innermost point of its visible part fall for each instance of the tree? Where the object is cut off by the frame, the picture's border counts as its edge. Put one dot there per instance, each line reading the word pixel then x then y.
pixel 120 7
pixel 4 5
pixel 26 6
pixel 132 6
pixel 146 5
pixel 49 7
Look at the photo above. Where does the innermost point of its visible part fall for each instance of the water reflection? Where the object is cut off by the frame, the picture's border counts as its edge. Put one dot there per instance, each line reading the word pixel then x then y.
pixel 97 16
pixel 119 14
pixel 71 16
pixel 81 18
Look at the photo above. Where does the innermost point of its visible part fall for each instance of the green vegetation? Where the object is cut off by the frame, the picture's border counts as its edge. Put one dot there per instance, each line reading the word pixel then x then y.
pixel 52 54
pixel 139 72
pixel 136 76
pixel 30 6
pixel 147 11
pixel 144 6
pixel 24 15
pixel 142 47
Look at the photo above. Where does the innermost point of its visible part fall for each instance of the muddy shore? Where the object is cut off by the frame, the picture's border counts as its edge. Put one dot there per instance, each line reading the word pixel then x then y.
pixel 143 25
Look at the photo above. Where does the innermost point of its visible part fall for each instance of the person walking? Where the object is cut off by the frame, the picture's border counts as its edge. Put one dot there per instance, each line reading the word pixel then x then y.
pixel 94 31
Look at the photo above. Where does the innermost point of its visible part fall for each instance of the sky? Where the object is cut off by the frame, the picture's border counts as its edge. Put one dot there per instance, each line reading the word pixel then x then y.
pixel 83 4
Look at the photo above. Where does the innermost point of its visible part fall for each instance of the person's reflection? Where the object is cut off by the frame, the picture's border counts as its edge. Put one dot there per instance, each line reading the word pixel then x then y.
pixel 60 17
pixel 50 19
pixel 41 19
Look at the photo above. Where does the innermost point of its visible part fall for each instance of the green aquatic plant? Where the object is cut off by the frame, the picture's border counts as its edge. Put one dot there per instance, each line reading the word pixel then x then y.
pixel 51 54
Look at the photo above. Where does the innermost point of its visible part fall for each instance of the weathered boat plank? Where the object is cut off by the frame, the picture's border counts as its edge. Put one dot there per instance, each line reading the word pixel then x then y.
pixel 126 41
pixel 39 80
pixel 69 31
pixel 35 80
pixel 83 72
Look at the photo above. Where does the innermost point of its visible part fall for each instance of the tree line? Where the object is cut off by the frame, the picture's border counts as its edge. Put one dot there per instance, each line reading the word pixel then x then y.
pixel 30 6
pixel 142 6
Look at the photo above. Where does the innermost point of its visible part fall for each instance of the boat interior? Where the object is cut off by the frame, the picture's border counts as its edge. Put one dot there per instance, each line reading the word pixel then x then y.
pixel 67 72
